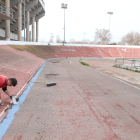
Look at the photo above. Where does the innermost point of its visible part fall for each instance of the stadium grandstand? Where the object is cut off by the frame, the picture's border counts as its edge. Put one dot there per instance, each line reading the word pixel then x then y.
pixel 16 15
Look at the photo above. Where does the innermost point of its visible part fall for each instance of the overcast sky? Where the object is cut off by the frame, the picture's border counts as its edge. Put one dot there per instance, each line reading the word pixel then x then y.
pixel 84 16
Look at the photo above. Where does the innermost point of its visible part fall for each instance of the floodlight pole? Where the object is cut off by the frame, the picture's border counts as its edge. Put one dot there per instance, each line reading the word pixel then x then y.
pixel 111 13
pixel 51 38
pixel 85 37
pixel 109 22
pixel 64 25
pixel 64 6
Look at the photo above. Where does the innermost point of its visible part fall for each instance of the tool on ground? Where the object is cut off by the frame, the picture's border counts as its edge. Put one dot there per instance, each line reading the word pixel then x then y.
pixel 48 84
pixel 1 101
pixel 15 100
pixel 51 84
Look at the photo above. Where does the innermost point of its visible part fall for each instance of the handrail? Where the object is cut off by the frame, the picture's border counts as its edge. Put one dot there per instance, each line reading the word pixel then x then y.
pixel 12 35
pixel 129 59
pixel 125 60
pixel 6 11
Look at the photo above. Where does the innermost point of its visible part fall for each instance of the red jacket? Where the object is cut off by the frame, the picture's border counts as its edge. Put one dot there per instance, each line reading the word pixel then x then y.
pixel 3 81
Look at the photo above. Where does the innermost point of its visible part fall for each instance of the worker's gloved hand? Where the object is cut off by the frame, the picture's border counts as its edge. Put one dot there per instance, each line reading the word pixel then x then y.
pixel 11 96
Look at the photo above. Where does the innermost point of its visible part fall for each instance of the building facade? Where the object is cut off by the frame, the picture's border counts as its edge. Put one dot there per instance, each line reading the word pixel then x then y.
pixel 16 15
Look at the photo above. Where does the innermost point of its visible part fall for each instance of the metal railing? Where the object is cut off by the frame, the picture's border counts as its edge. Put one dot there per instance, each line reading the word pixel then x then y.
pixel 12 35
pixel 128 63
pixel 6 11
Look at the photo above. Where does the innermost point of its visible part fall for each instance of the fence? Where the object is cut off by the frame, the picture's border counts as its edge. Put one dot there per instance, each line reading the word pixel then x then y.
pixel 12 35
pixel 128 63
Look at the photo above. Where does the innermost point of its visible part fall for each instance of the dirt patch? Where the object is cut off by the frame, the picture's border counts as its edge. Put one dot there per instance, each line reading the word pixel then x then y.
pixel 55 62
pixel 50 75
pixel 132 79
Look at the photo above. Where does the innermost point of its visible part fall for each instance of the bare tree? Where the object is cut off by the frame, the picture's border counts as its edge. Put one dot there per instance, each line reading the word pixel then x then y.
pixel 137 39
pixel 132 38
pixel 51 38
pixel 102 36
pixel 58 40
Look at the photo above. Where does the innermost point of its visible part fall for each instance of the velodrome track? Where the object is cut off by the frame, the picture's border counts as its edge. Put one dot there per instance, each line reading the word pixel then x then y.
pixel 47 52
pixel 22 62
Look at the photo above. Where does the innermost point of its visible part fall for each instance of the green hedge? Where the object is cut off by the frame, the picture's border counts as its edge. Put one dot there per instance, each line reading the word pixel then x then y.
pixel 84 63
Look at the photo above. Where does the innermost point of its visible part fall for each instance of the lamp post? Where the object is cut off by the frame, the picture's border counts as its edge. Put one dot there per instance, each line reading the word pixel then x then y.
pixel 64 6
pixel 111 13
pixel 85 37
pixel 51 39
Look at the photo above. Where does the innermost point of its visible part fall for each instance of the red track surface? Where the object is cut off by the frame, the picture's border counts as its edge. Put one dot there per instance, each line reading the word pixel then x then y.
pixel 84 51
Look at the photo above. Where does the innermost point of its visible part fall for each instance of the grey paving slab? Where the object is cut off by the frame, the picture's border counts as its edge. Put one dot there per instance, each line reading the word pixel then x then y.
pixel 84 105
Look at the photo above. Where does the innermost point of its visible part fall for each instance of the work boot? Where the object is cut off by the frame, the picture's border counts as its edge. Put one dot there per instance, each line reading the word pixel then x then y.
pixel 1 103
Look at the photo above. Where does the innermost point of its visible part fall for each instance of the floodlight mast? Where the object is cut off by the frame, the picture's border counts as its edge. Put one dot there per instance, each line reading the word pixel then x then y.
pixel 64 6
pixel 111 13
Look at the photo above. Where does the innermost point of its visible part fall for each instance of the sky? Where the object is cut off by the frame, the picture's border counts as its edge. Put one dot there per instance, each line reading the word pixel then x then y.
pixel 84 16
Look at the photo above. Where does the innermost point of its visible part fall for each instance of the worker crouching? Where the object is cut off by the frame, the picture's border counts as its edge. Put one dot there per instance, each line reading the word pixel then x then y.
pixel 4 82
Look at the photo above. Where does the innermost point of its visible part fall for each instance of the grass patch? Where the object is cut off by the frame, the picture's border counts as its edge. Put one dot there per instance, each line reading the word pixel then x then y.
pixel 137 71
pixel 115 66
pixel 16 47
pixel 81 60
pixel 84 63
pixel 127 69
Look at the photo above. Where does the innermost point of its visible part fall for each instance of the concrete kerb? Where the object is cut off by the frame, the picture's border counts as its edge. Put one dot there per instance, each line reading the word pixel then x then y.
pixel 83 59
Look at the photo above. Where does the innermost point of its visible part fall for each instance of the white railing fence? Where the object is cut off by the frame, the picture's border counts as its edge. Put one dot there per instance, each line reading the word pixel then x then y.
pixel 128 63
pixel 6 11
pixel 12 35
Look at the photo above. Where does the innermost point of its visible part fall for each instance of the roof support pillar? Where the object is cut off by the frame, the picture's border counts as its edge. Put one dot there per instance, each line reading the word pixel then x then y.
pixel 33 29
pixel 37 31
pixel 7 22
pixel 27 25
pixel 19 21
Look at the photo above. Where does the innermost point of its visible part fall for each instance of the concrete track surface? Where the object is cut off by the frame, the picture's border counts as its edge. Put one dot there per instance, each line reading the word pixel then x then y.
pixel 84 105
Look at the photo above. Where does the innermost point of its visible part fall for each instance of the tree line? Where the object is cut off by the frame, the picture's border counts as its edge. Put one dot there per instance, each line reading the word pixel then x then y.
pixel 103 37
